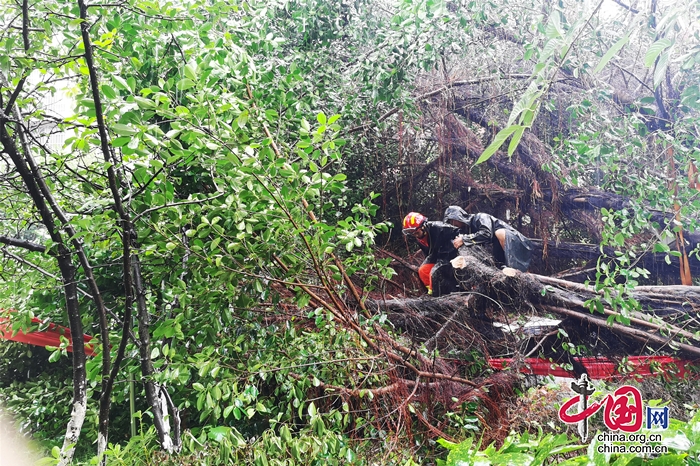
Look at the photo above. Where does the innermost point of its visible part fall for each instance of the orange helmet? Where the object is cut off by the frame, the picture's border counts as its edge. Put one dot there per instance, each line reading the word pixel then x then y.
pixel 412 222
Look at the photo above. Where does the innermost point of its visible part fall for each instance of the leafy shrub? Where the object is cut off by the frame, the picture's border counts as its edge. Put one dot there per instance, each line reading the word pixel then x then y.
pixel 681 439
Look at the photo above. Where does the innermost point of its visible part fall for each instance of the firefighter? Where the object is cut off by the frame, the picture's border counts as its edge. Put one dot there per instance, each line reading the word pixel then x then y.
pixel 435 240
pixel 510 247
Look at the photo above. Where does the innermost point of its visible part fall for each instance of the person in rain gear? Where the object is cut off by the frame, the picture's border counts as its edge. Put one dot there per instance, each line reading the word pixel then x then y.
pixel 435 240
pixel 510 247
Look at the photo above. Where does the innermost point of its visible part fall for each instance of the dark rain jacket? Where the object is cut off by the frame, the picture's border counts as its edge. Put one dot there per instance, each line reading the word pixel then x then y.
pixel 480 228
pixel 439 242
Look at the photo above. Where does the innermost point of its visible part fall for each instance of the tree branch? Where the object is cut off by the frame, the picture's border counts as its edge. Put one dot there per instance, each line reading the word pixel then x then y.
pixel 440 90
pixel 25 42
pixel 626 7
pixel 24 261
pixel 24 244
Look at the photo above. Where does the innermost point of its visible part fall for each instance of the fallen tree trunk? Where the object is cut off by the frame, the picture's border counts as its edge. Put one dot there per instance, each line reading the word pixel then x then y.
pixel 465 319
pixel 659 265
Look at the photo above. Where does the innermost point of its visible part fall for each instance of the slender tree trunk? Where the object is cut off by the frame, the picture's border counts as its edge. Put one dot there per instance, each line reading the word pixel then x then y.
pixel 79 374
pixel 132 277
pixel 32 180
pixel 155 398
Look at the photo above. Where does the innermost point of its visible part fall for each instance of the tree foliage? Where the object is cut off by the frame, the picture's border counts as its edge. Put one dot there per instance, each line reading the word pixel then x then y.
pixel 209 198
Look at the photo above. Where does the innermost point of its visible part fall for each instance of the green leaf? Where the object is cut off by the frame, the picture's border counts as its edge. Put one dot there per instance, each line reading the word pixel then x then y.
pixel 191 71
pixel 108 91
pixel 242 119
pixel 144 103
pixel 321 118
pixel 669 459
pixel 121 141
pixel 120 82
pixel 528 116
pixel 515 140
pixel 611 52
pixel 526 102
pixel 668 20
pixel 55 356
pixel 184 84
pixel 620 239
pixel 660 70
pixel 661 247
pixel 497 143
pixel 286 434
pixel 655 50
pixel 218 434
pixel 124 130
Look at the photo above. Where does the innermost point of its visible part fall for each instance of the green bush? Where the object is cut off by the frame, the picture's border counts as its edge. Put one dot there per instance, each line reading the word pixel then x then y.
pixel 681 440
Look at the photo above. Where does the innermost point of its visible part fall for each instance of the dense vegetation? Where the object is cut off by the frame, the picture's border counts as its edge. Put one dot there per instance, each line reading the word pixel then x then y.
pixel 215 204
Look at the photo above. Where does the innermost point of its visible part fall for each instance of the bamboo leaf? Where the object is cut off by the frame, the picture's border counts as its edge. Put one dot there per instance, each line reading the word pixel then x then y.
pixel 497 143
pixel 660 70
pixel 515 140
pixel 611 52
pixel 549 48
pixel 655 50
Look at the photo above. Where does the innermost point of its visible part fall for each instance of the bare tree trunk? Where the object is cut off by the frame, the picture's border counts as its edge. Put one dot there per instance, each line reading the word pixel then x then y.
pixel 33 181
pixel 156 399
pixel 79 374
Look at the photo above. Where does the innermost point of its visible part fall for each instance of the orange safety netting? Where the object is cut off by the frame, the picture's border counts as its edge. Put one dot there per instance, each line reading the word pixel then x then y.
pixel 605 369
pixel 49 337
pixel 597 368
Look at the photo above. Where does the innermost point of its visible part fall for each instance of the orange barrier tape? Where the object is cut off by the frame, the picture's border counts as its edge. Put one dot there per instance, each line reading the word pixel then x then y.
pixel 49 337
pixel 605 369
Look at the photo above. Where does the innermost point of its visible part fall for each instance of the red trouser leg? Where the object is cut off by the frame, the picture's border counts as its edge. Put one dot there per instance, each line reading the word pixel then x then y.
pixel 424 274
